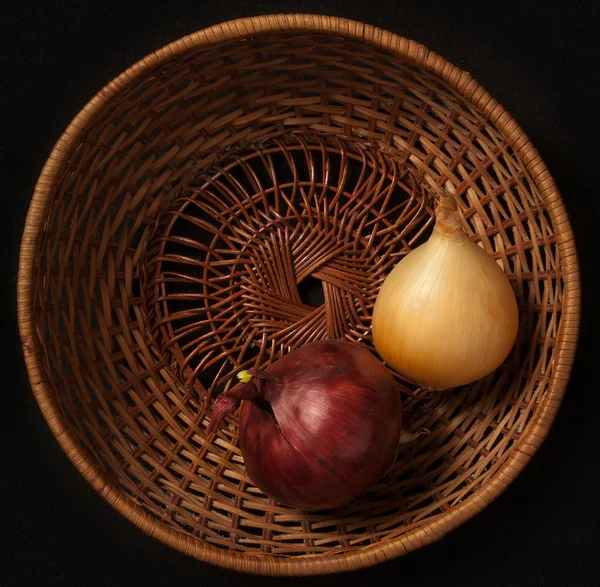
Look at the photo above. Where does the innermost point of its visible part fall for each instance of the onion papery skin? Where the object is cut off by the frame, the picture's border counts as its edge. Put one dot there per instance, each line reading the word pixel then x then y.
pixel 446 315
pixel 323 426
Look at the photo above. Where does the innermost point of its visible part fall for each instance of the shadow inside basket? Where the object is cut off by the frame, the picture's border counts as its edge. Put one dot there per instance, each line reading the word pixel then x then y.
pixel 276 245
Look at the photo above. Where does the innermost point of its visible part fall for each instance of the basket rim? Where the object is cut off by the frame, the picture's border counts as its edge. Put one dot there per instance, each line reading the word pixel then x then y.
pixel 439 525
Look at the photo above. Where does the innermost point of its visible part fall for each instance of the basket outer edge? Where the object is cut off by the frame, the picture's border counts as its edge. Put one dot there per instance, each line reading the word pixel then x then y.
pixel 435 528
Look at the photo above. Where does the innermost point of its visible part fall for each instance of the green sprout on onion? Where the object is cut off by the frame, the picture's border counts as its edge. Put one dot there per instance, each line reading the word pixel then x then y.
pixel 244 376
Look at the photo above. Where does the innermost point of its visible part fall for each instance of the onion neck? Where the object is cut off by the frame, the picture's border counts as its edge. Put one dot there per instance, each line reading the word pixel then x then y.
pixel 254 385
pixel 447 217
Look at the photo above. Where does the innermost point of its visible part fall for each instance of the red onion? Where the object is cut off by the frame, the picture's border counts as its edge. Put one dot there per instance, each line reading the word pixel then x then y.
pixel 319 426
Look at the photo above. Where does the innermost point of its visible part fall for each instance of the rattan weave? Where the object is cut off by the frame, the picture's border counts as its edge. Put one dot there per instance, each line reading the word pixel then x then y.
pixel 246 190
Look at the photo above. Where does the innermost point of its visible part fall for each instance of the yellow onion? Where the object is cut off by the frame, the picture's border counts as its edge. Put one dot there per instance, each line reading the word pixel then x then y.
pixel 446 315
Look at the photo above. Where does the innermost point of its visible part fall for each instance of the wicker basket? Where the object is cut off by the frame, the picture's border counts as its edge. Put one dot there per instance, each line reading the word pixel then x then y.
pixel 244 191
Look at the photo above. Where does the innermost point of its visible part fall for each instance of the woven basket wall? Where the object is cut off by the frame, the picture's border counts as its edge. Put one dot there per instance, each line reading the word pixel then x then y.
pixel 246 190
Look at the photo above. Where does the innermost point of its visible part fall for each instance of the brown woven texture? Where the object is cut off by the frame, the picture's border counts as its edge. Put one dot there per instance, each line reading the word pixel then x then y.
pixel 242 192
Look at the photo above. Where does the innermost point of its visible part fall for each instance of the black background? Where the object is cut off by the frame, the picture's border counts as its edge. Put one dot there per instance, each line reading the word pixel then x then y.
pixel 539 59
